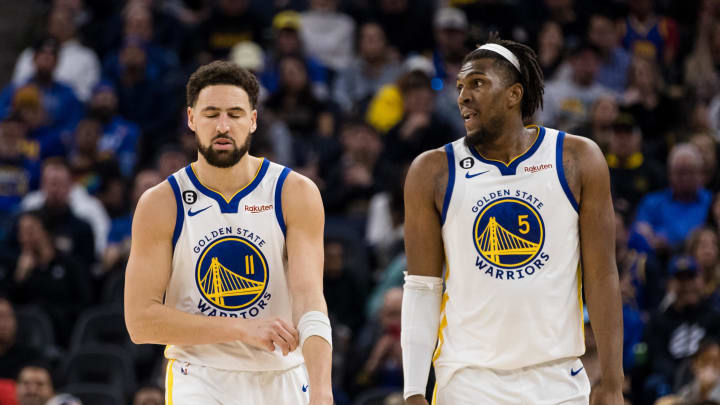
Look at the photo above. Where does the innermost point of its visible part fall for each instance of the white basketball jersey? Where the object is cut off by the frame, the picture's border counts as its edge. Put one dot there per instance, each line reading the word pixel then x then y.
pixel 512 296
pixel 229 260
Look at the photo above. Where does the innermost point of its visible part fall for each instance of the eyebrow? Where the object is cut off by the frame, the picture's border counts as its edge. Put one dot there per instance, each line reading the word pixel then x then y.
pixel 213 108
pixel 470 74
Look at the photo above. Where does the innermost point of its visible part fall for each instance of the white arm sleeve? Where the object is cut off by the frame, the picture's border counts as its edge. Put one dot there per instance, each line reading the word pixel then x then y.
pixel 420 320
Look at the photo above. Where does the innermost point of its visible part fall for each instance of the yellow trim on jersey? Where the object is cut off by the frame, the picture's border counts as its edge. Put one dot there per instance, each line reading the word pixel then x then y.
pixel 443 321
pixel 537 136
pixel 262 160
pixel 167 347
pixel 169 383
pixel 580 300
pixel 434 397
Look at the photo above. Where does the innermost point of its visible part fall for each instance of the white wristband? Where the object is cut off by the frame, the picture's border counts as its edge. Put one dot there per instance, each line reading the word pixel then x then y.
pixel 314 323
pixel 422 296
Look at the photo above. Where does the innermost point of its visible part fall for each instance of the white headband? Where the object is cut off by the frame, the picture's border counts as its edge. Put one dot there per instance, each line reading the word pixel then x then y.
pixel 505 53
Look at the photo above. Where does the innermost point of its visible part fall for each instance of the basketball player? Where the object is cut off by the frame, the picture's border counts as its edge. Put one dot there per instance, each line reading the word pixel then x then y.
pixel 508 211
pixel 225 264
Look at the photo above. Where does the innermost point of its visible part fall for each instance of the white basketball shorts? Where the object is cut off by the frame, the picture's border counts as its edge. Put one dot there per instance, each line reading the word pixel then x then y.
pixel 562 382
pixel 192 384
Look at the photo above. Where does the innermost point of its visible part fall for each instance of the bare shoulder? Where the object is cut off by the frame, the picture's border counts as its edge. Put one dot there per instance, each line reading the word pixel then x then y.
pixel 300 198
pixel 155 212
pixel 428 176
pixel 585 154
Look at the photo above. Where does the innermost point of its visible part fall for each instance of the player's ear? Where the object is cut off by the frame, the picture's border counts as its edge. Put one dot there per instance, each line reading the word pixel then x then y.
pixel 515 93
pixel 253 121
pixel 191 120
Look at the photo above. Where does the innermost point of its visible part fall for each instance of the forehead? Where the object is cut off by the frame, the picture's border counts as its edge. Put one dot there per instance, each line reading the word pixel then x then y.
pixel 485 66
pixel 223 96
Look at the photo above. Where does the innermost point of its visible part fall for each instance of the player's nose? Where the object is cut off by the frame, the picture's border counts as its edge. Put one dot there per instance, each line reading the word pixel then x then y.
pixel 223 124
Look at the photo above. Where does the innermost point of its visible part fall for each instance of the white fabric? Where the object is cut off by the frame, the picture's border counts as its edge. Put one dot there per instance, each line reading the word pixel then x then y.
pixel 193 384
pixel 512 245
pixel 78 67
pixel 504 52
pixel 246 247
pixel 422 296
pixel 329 37
pixel 85 207
pixel 314 323
pixel 548 384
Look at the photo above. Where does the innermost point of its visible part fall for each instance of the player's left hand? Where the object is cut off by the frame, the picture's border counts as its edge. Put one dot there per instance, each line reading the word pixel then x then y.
pixel 603 394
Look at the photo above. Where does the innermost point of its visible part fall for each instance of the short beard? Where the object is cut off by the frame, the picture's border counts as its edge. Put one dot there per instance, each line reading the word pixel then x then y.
pixel 223 159
pixel 485 135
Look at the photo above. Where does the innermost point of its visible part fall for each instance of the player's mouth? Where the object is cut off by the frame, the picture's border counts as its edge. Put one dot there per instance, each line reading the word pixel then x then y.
pixel 468 115
pixel 223 143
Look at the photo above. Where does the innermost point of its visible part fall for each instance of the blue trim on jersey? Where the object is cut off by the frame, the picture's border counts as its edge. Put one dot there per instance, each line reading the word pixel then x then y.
pixel 561 171
pixel 228 207
pixel 278 198
pixel 180 211
pixel 450 154
pixel 510 169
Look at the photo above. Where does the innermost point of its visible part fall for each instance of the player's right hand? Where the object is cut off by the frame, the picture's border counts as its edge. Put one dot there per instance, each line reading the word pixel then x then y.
pixel 416 400
pixel 270 333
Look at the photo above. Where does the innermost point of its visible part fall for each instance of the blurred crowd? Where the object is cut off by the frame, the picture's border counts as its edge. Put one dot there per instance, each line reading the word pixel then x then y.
pixel 351 92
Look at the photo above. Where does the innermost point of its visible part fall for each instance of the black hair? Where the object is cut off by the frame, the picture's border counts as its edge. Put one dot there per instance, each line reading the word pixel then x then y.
pixel 222 72
pixel 530 75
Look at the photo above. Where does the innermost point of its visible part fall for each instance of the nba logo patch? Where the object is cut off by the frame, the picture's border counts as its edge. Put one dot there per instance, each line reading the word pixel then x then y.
pixel 185 368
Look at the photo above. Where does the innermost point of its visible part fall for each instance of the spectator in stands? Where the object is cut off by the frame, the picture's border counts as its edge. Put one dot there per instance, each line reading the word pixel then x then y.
pixel 705 367
pixel 646 277
pixel 59 101
pixel 19 166
pixel 286 38
pixel 170 158
pixel 645 98
pixel 358 172
pixel 702 245
pixel 34 385
pixel 614 59
pixel 665 218
pixel 674 334
pixel 328 34
pixel 46 277
pixel 90 167
pixel 119 136
pixel 386 218
pixel 77 65
pixel 138 94
pixel 550 49
pixel 450 27
pixel 13 354
pixel 230 22
pixel 406 24
pixel 379 359
pixel 69 207
pixel 294 102
pixel 707 145
pixel 345 299
pixel 603 113
pixel 420 129
pixel 567 101
pixel 138 26
pixel 149 395
pixel 27 106
pixel 119 237
pixel 648 35
pixel 373 68
pixel 632 173
pixel 701 73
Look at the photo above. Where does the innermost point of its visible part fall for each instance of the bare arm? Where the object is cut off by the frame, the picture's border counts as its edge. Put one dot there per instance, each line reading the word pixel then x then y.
pixel 305 220
pixel 146 279
pixel 424 192
pixel 600 274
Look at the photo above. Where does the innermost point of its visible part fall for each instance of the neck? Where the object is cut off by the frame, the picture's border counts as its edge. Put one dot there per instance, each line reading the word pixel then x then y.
pixel 513 141
pixel 227 181
pixel 686 196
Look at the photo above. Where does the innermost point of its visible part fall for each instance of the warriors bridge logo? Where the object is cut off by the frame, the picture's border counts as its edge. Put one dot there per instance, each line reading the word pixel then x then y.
pixel 232 273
